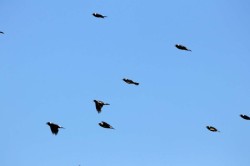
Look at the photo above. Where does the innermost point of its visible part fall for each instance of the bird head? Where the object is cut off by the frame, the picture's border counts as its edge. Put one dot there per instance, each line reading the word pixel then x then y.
pixel 48 123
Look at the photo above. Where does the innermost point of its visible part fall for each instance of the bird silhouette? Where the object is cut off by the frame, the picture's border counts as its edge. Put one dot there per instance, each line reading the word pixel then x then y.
pixel 181 47
pixel 99 104
pixel 245 117
pixel 1 32
pixel 128 81
pixel 105 125
pixel 98 15
pixel 54 127
pixel 213 129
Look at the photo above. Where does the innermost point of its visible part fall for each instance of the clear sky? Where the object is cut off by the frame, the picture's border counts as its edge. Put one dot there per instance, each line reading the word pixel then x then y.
pixel 56 58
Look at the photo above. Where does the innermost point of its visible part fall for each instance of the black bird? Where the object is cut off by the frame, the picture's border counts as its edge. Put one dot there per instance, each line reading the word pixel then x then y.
pixel 98 15
pixel 181 47
pixel 213 129
pixel 105 125
pixel 54 127
pixel 99 104
pixel 128 81
pixel 245 117
pixel 1 32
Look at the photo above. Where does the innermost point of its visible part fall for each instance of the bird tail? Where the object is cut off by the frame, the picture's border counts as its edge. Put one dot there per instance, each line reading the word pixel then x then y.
pixel 189 50
pixel 136 83
pixel 106 104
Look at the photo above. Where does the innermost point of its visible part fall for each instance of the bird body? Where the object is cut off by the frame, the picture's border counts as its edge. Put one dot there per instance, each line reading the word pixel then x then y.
pixel 54 127
pixel 181 47
pixel 99 104
pixel 128 81
pixel 1 32
pixel 105 125
pixel 98 15
pixel 245 117
pixel 213 129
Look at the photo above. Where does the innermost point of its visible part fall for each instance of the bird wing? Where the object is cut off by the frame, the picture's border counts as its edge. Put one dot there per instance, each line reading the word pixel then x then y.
pixel 99 15
pixel 54 129
pixel 183 47
pixel 105 124
pixel 98 107
pixel 129 81
pixel 213 129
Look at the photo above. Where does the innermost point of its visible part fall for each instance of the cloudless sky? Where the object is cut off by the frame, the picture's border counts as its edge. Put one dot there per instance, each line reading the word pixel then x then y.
pixel 56 58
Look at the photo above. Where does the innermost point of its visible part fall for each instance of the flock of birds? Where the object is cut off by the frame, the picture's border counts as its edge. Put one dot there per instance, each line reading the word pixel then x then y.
pixel 99 104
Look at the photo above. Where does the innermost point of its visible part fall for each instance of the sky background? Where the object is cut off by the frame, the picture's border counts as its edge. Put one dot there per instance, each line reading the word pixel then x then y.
pixel 56 58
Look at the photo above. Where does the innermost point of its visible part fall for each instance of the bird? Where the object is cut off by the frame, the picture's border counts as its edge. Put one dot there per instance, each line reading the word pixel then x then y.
pixel 99 104
pixel 98 15
pixel 105 125
pixel 181 47
pixel 213 129
pixel 128 81
pixel 245 117
pixel 54 127
pixel 1 32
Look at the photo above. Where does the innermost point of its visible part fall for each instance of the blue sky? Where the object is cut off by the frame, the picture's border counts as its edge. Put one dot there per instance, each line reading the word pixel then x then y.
pixel 56 58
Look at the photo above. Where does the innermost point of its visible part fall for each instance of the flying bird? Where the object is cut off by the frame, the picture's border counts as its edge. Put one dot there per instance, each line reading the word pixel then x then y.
pixel 99 104
pixel 105 125
pixel 98 15
pixel 245 117
pixel 54 127
pixel 213 129
pixel 181 47
pixel 1 32
pixel 128 81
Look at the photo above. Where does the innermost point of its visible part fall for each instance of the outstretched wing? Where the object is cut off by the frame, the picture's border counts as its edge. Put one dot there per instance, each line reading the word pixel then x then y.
pixel 54 129
pixel 98 107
